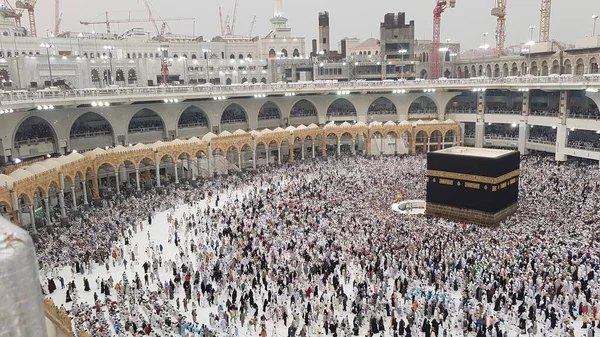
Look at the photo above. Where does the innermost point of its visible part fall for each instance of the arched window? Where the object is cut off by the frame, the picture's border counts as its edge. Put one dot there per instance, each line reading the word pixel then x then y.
pixel 132 76
pixel 296 53
pixel 194 56
pixel 249 56
pixel 95 75
pixel 241 56
pixel 120 77
pixel 232 56
pixel 284 52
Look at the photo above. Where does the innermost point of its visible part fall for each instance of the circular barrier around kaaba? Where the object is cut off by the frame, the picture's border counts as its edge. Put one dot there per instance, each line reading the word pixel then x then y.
pixel 413 207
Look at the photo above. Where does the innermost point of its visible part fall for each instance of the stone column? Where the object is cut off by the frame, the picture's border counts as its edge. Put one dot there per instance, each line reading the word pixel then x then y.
pixel 368 146
pixel 302 151
pixel 353 148
pixel 73 197
pixel 32 217
pixel 479 134
pixel 313 149
pixel 210 154
pixel 137 179
pixel 175 169
pixel 157 167
pixel 96 189
pixel 215 164
pixel 198 162
pixel 240 160
pixel 20 215
pixel 291 150
pixel 279 155
pixel 523 137
pixel 85 199
pixel 339 145
pixel 61 203
pixel 190 162
pixel 15 207
pixel 267 156
pixel 562 134
pixel 117 182
pixel 47 208
pixel 254 159
pixel 480 122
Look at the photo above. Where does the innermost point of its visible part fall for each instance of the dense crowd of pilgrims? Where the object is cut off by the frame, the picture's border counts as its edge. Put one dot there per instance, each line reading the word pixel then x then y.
pixel 314 249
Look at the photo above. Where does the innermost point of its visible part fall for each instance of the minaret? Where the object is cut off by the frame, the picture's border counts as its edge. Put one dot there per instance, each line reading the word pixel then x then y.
pixel 278 13
pixel 278 21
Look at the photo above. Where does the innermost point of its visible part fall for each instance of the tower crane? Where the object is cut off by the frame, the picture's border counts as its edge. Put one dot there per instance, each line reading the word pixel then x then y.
pixel 440 7
pixel 151 17
pixel 129 20
pixel 500 12
pixel 221 21
pixel 545 20
pixel 57 16
pixel 8 12
pixel 227 27
pixel 252 26
pixel 29 5
pixel 235 10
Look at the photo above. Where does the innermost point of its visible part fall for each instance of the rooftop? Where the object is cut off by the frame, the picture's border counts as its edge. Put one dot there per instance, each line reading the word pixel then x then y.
pixel 475 152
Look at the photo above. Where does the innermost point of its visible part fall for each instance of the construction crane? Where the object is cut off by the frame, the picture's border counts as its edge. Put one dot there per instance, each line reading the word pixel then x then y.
pixel 29 5
pixel 235 10
pixel 440 7
pixel 545 20
pixel 129 20
pixel 221 21
pixel 57 16
pixel 227 27
pixel 151 17
pixel 500 12
pixel 252 26
pixel 8 12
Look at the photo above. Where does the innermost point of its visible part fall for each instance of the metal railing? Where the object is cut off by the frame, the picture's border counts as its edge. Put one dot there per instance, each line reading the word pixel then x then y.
pixel 216 90
pixel 91 134
pixel 33 141
pixel 596 117
pixel 542 141
pixel 584 147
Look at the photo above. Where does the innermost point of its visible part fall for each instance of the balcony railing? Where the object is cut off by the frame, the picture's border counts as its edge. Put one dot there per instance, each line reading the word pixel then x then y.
pixel 24 95
pixel 596 117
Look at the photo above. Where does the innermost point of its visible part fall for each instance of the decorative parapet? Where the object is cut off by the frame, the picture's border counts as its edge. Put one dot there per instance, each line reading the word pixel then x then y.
pixel 59 318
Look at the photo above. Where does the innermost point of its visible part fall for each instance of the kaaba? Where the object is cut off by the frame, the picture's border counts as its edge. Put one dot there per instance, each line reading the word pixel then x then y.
pixel 473 185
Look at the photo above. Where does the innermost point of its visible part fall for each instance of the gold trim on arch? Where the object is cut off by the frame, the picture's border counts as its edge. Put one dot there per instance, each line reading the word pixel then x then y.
pixel 472 177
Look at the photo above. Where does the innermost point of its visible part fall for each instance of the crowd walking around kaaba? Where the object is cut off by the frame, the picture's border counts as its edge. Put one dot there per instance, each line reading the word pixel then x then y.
pixel 314 249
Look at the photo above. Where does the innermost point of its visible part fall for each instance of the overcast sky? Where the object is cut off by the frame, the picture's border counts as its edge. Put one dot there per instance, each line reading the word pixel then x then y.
pixel 466 23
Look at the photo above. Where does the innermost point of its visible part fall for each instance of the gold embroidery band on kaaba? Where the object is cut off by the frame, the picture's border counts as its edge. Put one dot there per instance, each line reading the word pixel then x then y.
pixel 472 177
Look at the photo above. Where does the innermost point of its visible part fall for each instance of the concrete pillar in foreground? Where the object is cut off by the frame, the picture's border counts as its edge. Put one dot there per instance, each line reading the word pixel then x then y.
pixel 20 288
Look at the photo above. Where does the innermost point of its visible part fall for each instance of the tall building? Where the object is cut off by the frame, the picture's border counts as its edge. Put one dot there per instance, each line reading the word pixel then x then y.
pixel 397 37
pixel 324 42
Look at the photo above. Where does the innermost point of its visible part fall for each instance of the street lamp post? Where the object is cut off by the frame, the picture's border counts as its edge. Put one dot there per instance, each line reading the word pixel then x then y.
pixel 48 46
pixel 110 51
pixel 485 45
pixel 594 17
pixel 531 29
pixel 206 57
pixel 184 60
pixel 17 58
